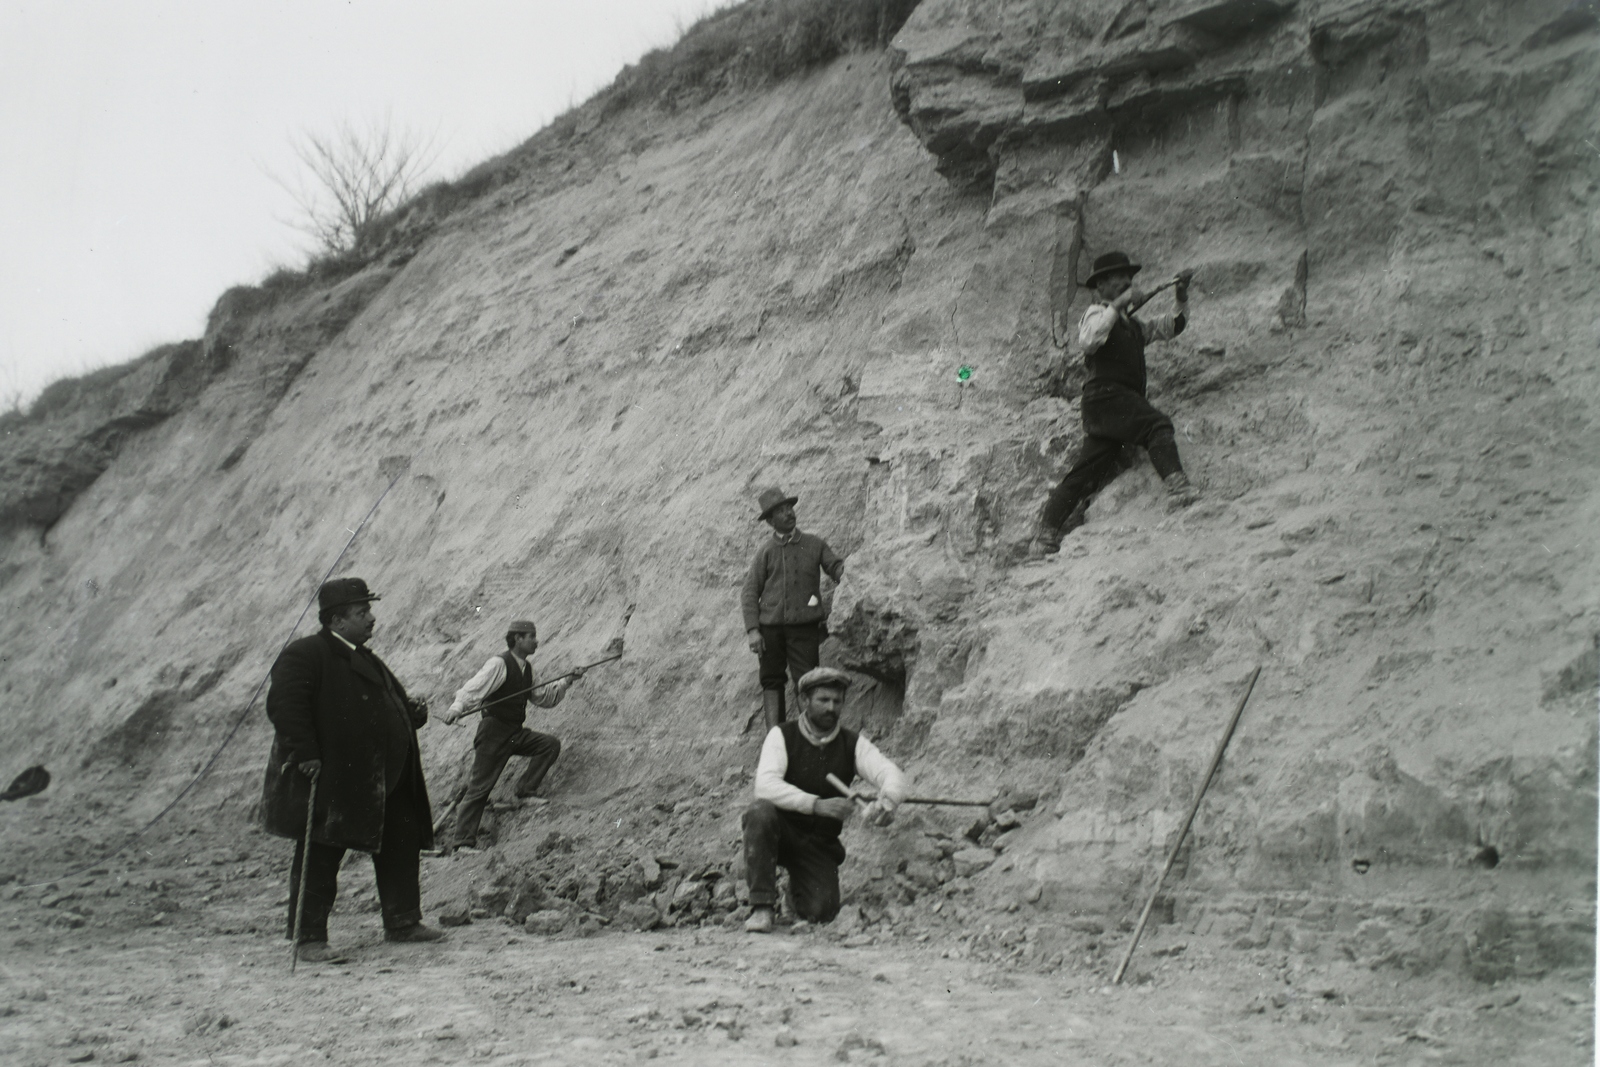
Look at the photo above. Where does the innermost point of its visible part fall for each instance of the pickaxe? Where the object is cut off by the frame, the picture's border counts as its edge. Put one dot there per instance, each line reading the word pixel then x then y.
pixel 1183 276
pixel 855 794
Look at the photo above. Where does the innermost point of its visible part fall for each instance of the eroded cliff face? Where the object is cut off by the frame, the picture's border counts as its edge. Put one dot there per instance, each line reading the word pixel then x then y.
pixel 1386 391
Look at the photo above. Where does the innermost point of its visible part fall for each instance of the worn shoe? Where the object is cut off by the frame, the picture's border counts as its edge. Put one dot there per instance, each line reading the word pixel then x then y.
pixel 1180 493
pixel 760 921
pixel 413 935
pixel 319 952
pixel 466 850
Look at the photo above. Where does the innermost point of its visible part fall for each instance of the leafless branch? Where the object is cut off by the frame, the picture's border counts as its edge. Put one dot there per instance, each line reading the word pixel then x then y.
pixel 353 178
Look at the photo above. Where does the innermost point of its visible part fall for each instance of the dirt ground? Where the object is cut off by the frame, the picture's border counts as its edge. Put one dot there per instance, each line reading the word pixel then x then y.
pixel 171 954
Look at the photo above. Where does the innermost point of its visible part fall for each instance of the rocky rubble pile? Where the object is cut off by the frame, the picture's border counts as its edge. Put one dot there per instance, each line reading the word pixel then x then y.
pixel 916 878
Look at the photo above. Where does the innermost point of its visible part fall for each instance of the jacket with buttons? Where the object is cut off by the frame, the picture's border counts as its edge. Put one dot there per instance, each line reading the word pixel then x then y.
pixel 784 586
pixel 347 709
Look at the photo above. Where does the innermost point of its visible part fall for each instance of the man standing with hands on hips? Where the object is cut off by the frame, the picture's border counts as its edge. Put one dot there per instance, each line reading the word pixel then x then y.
pixel 782 602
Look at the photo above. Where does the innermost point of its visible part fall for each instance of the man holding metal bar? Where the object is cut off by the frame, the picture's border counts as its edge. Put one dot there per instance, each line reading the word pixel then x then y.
pixel 798 813
pixel 1116 413
pixel 502 690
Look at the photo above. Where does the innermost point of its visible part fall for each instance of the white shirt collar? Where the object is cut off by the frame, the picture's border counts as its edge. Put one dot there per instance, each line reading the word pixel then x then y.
pixel 521 662
pixel 343 640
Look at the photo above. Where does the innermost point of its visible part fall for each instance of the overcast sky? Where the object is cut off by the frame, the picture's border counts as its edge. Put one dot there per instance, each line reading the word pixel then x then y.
pixel 138 139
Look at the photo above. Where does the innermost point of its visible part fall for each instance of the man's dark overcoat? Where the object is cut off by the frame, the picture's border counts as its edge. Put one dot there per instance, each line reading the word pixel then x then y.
pixel 332 704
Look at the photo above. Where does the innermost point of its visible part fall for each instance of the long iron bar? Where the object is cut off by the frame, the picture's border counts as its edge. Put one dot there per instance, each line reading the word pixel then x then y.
pixel 1172 856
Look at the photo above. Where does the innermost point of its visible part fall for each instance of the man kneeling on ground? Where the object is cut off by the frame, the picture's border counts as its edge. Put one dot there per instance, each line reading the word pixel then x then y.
pixel 797 816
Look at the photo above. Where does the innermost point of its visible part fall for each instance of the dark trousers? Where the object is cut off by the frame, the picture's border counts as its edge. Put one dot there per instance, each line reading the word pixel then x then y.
pixel 495 743
pixel 395 863
pixel 770 840
pixel 789 651
pixel 1114 418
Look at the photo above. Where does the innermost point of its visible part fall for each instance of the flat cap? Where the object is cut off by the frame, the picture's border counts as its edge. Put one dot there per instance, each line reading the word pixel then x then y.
pixel 522 626
pixel 823 676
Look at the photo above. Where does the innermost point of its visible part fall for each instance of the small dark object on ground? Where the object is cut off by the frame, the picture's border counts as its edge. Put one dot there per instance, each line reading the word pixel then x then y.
pixel 31 781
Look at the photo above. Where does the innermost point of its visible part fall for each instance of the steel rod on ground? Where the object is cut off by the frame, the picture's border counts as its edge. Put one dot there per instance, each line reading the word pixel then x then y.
pixel 1172 856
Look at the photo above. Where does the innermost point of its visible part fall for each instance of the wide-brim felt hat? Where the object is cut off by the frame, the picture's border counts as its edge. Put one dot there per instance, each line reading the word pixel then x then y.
pixel 772 498
pixel 1110 263
pixel 817 676
pixel 344 591
pixel 522 626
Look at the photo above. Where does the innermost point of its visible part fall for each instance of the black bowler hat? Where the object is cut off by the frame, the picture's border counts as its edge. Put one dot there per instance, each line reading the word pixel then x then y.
pixel 343 591
pixel 770 499
pixel 1110 263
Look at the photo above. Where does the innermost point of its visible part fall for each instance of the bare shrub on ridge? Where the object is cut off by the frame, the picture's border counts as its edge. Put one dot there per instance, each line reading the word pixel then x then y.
pixel 352 179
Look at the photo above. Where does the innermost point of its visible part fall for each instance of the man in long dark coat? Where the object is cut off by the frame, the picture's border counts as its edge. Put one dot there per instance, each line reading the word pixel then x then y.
pixel 344 721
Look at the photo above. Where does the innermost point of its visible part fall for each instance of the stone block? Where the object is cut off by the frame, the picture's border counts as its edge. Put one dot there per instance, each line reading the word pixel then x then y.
pixel 970 861
pixel 1230 20
pixel 638 916
pixel 549 921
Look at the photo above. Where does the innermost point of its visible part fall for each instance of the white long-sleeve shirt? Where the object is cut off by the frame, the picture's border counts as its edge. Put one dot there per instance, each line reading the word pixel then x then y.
pixel 871 764
pixel 488 679
pixel 1095 326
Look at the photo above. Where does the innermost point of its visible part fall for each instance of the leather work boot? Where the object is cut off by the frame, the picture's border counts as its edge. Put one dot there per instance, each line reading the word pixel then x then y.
pixel 1180 493
pixel 413 935
pixel 319 952
pixel 771 707
pixel 760 921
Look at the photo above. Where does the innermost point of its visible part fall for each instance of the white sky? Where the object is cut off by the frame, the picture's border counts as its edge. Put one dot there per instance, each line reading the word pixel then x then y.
pixel 137 139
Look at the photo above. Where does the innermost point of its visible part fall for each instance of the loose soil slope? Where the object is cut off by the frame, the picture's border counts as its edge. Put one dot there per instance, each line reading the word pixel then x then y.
pixel 582 380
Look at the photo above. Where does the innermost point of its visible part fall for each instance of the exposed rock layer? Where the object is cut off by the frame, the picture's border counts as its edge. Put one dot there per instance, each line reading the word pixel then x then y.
pixel 1386 392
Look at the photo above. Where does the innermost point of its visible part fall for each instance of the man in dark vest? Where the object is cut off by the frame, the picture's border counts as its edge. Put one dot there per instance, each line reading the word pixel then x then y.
pixel 782 600
pixel 798 815
pixel 1115 411
pixel 504 687
pixel 344 720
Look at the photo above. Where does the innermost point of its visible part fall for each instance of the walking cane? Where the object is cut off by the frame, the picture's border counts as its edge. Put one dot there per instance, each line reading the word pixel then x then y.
pixel 1199 795
pixel 305 861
